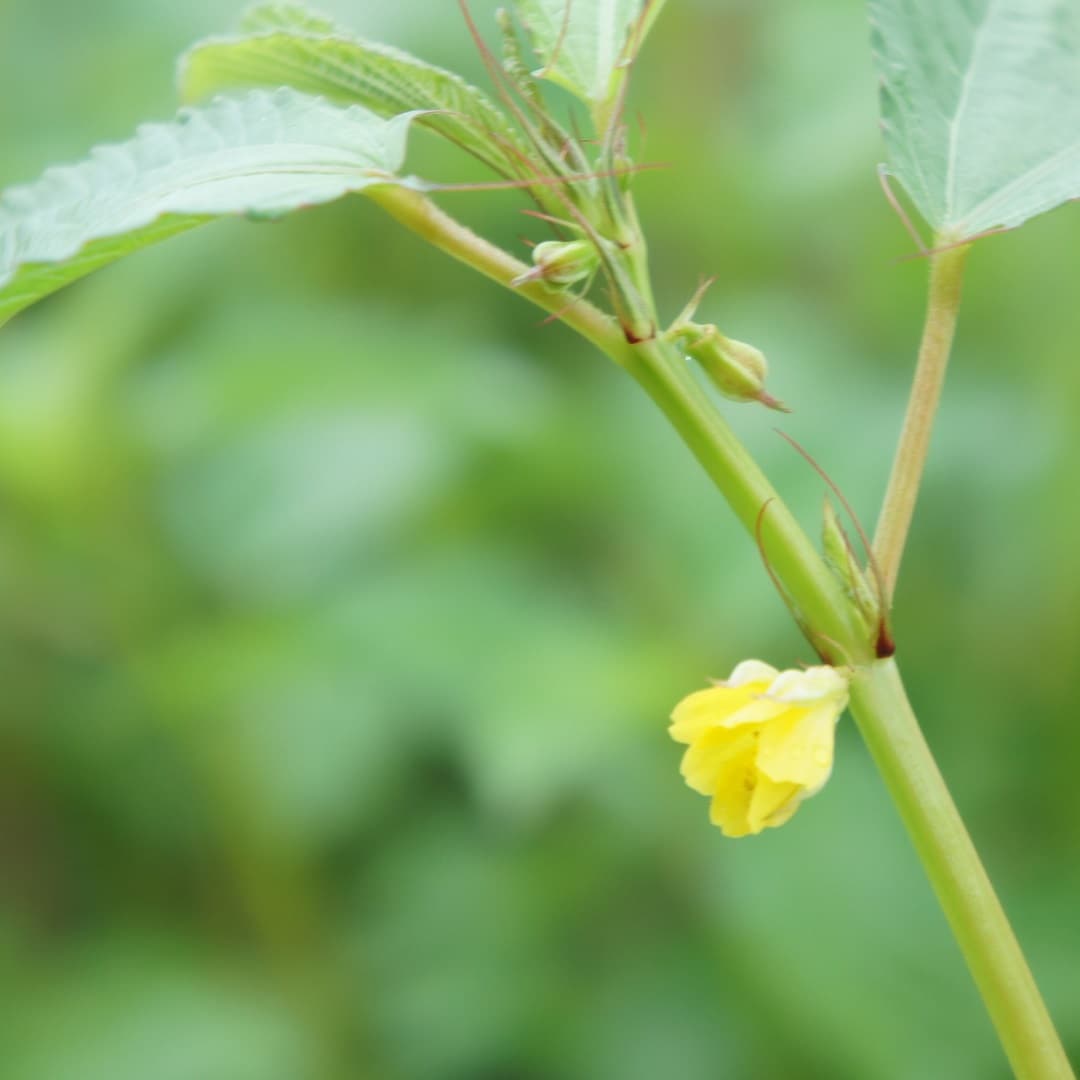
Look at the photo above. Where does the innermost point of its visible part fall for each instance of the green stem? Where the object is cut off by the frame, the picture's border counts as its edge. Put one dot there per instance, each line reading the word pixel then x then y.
pixel 651 15
pixel 946 280
pixel 888 724
pixel 820 604
pixel 878 699
pixel 815 593
pixel 420 215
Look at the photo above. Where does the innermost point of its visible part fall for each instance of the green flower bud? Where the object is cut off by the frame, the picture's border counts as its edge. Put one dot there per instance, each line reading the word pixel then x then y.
pixel 561 263
pixel 736 369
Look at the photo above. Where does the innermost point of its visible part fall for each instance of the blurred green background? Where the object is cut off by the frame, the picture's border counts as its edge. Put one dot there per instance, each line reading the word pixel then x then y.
pixel 342 606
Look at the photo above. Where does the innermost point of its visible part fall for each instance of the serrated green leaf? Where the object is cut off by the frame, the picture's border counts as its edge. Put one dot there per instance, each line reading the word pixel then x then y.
pixel 295 47
pixel 980 107
pixel 580 42
pixel 261 155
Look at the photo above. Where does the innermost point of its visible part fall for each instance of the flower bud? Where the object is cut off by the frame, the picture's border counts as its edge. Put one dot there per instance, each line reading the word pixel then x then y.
pixel 561 263
pixel 736 369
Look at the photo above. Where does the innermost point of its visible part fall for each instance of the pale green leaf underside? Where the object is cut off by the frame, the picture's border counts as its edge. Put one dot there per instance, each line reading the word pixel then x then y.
pixel 980 107
pixel 580 43
pixel 261 155
pixel 295 47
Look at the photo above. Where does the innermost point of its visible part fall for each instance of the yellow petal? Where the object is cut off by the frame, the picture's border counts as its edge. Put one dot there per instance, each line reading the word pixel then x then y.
pixel 786 812
pixel 712 756
pixel 813 686
pixel 760 710
pixel 797 748
pixel 751 671
pixel 771 804
pixel 704 709
pixel 731 803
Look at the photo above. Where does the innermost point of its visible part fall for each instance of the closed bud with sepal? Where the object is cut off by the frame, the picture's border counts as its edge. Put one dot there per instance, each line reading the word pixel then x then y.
pixel 736 369
pixel 561 263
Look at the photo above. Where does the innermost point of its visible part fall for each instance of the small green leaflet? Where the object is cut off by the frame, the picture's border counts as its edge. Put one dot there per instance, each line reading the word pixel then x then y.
pixel 289 45
pixel 261 155
pixel 581 43
pixel 980 104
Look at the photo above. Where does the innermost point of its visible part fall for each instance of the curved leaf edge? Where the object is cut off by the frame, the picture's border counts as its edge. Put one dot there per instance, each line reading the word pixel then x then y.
pixel 26 280
pixel 494 140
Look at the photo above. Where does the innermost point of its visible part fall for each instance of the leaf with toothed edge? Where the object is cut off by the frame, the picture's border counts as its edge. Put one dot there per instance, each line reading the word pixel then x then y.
pixel 980 103
pixel 261 155
pixel 581 43
pixel 293 46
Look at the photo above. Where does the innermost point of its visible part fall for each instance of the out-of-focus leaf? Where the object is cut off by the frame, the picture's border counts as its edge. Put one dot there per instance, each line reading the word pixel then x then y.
pixel 452 969
pixel 132 1007
pixel 288 505
pixel 277 707
pixel 580 42
pixel 289 45
pixel 291 450
pixel 981 107
pixel 261 155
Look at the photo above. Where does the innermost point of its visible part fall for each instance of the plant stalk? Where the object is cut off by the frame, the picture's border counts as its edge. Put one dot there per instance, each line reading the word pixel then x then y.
pixel 823 610
pixel 815 594
pixel 943 305
pixel 881 708
pixel 421 216
pixel 878 700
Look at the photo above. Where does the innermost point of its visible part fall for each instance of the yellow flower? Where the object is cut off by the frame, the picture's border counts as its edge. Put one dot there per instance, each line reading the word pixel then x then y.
pixel 760 742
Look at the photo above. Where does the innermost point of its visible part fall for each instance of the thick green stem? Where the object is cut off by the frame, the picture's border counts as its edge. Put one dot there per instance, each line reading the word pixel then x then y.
pixel 888 724
pixel 943 306
pixel 878 699
pixel 816 595
pixel 820 604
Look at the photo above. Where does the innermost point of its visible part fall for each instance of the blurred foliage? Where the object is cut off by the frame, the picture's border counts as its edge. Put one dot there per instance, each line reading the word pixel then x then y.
pixel 342 606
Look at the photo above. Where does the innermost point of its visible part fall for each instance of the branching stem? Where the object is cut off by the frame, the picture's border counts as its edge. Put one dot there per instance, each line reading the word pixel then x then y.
pixel 663 373
pixel 878 700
